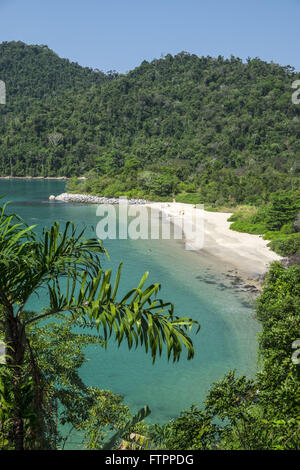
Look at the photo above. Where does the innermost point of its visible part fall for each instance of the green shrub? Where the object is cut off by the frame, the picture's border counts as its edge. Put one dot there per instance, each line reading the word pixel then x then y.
pixel 248 219
pixel 286 245
pixel 287 228
pixel 282 210
pixel 190 198
pixel 248 227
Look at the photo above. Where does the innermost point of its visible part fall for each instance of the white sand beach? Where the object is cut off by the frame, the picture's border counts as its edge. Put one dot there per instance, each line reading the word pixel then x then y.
pixel 244 253
pixel 248 254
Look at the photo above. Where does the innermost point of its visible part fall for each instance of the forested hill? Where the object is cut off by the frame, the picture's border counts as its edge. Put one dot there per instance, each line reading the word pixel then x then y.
pixel 211 129
pixel 36 72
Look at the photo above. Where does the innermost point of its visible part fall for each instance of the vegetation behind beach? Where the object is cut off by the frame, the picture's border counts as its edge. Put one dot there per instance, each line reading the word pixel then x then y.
pixel 210 130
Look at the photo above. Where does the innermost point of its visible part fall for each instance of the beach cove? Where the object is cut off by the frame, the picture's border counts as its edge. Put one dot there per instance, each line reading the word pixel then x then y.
pixel 199 285
pixel 246 254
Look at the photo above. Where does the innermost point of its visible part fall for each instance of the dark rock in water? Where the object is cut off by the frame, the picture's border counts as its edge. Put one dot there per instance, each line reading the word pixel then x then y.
pixel 223 286
pixel 246 305
pixel 250 288
pixel 236 281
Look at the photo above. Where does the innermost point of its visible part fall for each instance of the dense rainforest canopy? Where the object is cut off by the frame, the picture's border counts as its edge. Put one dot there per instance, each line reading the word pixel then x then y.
pixel 209 129
pixel 205 129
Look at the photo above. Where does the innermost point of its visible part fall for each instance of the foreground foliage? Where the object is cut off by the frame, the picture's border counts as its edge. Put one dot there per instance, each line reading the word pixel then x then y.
pixel 44 394
pixel 67 266
pixel 252 414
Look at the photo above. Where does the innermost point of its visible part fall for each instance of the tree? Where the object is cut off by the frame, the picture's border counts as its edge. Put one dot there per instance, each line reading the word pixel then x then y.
pixel 68 266
pixel 193 429
pixel 68 405
pixel 165 114
pixel 282 210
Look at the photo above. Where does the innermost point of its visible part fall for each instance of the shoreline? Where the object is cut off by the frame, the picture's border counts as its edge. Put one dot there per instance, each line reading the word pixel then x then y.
pixel 59 178
pixel 41 178
pixel 246 255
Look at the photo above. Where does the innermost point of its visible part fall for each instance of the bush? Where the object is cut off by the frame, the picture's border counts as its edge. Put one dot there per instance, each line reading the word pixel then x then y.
pixel 282 211
pixel 287 245
pixel 248 219
pixel 287 228
pixel 190 198
pixel 248 227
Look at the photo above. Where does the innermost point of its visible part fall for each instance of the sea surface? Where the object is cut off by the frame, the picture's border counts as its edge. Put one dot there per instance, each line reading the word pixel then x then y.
pixel 197 286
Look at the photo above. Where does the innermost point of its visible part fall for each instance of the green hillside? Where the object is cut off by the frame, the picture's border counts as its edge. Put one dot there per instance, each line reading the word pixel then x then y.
pixel 210 129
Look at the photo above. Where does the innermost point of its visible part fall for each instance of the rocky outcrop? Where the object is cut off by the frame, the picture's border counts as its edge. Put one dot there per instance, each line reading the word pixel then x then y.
pixel 89 199
pixel 291 260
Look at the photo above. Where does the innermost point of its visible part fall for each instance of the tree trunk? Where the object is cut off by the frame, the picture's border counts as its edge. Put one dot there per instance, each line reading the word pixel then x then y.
pixel 15 339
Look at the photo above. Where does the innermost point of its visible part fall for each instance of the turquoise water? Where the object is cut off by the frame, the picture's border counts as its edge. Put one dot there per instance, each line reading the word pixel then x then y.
pixel 195 284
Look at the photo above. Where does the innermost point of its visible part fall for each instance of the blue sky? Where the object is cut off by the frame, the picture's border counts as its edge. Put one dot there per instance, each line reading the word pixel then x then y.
pixel 119 34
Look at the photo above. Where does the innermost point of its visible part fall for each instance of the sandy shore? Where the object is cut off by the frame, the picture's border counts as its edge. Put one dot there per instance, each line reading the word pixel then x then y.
pixel 245 255
pixel 248 254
